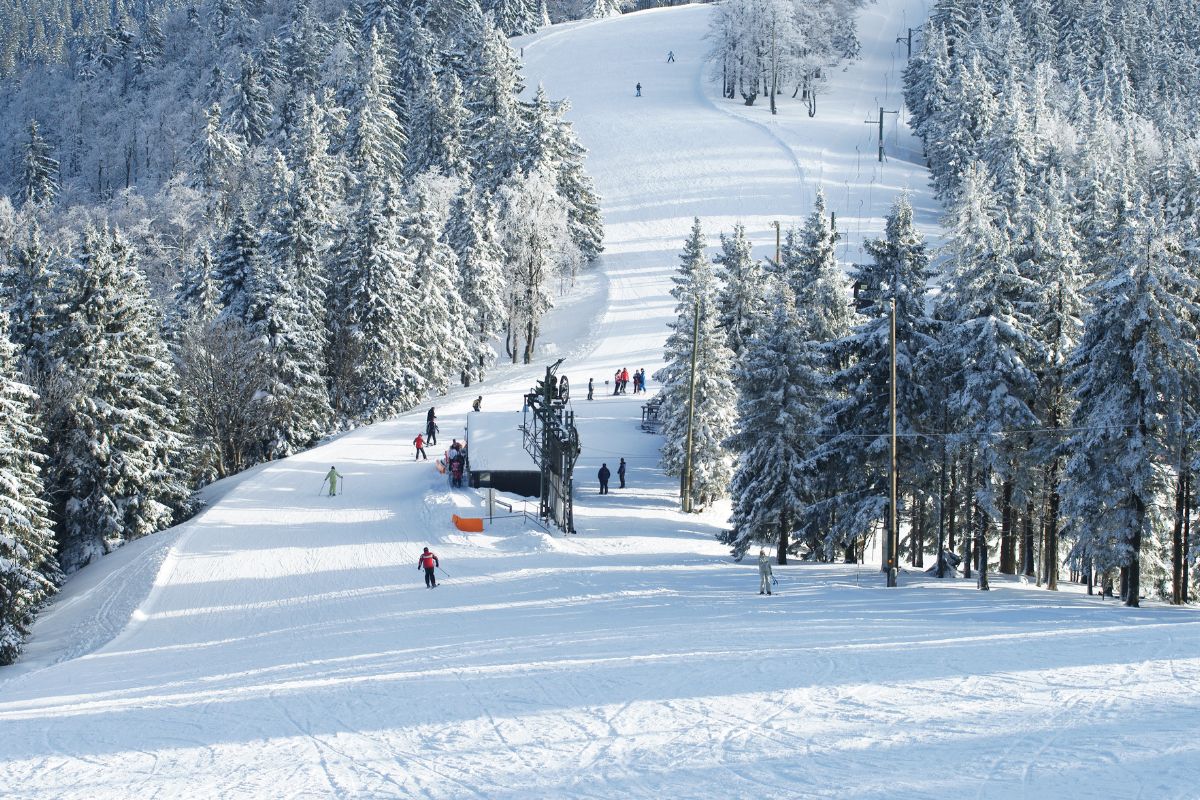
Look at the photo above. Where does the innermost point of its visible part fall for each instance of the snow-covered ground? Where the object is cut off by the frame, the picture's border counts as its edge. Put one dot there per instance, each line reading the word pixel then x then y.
pixel 282 644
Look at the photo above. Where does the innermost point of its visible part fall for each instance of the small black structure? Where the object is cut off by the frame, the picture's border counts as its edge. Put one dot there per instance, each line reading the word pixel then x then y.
pixel 496 455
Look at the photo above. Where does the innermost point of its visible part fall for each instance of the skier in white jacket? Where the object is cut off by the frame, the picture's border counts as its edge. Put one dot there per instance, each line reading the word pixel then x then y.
pixel 764 572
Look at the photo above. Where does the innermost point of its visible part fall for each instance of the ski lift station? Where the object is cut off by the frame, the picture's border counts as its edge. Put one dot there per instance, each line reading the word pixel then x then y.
pixel 496 455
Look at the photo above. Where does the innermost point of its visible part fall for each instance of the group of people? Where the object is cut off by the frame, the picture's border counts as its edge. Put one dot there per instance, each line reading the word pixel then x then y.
pixel 605 473
pixel 621 379
pixel 456 462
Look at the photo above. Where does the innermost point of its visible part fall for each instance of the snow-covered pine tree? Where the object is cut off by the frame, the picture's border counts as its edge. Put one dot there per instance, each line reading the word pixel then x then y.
pixel 811 268
pixel 197 295
pixel 516 17
pixel 741 300
pixel 279 314
pixel 497 123
pixel 439 320
pixel 375 366
pixel 604 8
pixel 213 158
pixel 236 266
pixel 551 145
pixel 115 469
pixel 29 295
pixel 1047 251
pixel 856 452
pixel 471 234
pixel 249 106
pixel 39 170
pixel 375 138
pixel 714 416
pixel 990 337
pixel 29 572
pixel 1133 367
pixel 777 375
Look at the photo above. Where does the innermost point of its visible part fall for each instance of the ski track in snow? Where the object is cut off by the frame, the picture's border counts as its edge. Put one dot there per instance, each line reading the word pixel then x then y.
pixel 282 643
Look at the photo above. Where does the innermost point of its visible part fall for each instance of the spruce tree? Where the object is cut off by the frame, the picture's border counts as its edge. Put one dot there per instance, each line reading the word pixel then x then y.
pixel 375 363
pixel 236 266
pixel 741 299
pixel 29 573
pixel 777 375
pixel 856 417
pixel 39 170
pixel 115 467
pixel 439 320
pixel 471 234
pixel 249 107
pixel 990 335
pixel 1134 365
pixel 714 412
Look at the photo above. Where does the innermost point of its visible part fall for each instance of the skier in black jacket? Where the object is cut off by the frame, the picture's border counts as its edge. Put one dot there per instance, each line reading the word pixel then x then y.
pixel 603 475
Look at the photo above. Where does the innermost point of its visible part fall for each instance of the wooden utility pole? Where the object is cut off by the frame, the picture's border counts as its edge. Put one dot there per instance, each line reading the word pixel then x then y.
pixel 893 546
pixel 880 123
pixel 685 478
pixel 778 263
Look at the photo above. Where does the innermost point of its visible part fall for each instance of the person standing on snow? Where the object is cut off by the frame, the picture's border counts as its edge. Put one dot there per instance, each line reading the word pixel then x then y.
pixel 624 380
pixel 478 403
pixel 604 474
pixel 427 561
pixel 332 479
pixel 764 572
pixel 431 427
pixel 621 473
pixel 419 443
pixel 590 388
pixel 639 89
pixel 670 56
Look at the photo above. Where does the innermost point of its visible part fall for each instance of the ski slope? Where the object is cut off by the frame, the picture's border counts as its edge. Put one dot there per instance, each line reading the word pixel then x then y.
pixel 282 643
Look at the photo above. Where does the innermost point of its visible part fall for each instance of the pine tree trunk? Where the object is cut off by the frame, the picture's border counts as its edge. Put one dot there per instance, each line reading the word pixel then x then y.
pixel 1008 564
pixel 968 516
pixel 781 555
pixel 982 548
pixel 1050 556
pixel 1135 557
pixel 918 535
pixel 1028 548
pixel 1187 531
pixel 1178 590
pixel 952 505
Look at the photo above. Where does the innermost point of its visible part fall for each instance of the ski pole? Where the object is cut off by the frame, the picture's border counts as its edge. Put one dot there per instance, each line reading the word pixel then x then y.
pixel 447 574
pixel 322 489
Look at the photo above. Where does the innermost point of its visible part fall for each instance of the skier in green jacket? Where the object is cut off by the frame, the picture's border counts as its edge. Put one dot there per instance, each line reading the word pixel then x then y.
pixel 332 480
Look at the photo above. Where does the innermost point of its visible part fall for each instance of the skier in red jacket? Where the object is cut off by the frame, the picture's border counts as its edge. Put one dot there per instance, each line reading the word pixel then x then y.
pixel 427 561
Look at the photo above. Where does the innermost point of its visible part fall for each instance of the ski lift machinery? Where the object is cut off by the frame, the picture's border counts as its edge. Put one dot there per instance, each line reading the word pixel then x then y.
pixel 552 440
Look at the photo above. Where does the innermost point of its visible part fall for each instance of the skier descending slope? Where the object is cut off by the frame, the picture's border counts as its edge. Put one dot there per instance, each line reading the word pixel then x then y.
pixel 427 561
pixel 332 480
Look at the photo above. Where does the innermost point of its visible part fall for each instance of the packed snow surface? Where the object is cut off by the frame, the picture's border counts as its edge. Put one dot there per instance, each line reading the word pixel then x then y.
pixel 282 644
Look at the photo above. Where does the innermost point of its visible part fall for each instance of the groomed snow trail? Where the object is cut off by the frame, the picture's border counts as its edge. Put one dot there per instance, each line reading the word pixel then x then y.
pixel 282 643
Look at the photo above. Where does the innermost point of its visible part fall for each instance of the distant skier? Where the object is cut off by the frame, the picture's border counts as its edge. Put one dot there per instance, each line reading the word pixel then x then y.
pixel 621 473
pixel 639 90
pixel 624 380
pixel 419 443
pixel 670 56
pixel 475 406
pixel 764 572
pixel 427 561
pixel 604 474
pixel 590 388
pixel 332 480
